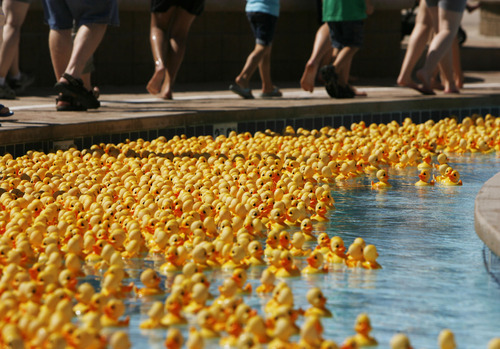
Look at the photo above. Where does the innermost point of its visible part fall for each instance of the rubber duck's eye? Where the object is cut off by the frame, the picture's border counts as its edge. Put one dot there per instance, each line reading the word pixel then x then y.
pixel 68 278
pixel 113 307
pixel 315 257
pixel 33 291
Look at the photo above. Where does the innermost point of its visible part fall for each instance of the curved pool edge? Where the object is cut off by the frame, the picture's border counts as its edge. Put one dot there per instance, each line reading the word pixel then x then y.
pixel 487 214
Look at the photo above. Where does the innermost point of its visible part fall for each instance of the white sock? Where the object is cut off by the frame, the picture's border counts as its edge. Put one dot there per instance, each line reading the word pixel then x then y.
pixel 16 77
pixel 2 81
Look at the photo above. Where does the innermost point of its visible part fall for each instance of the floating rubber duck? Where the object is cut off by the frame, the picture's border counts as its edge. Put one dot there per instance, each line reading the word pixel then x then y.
pixel 400 341
pixel 336 254
pixel 247 341
pixel 453 179
pixel 151 281
pixel 228 291
pixel 494 343
pixel 236 259
pixel 444 171
pixel 200 257
pixel 446 339
pixel 155 314
pixel 318 301
pixel 355 256
pixel 315 264
pixel 199 297
pixel 83 296
pixel 234 329
pixel 272 242
pixel 370 255
pixel 267 280
pixel 257 326
pixel 323 245
pixel 320 212
pixel 298 240
pixel 426 162
pixel 425 177
pixel 174 339
pixel 306 227
pixel 173 307
pixel 195 340
pixel 288 267
pixel 311 333
pixel 120 340
pixel 363 329
pixel 173 263
pixel 113 310
pixel 281 334
pixel 383 180
pixel 206 320
pixel 284 240
pixel 240 276
pixel 255 254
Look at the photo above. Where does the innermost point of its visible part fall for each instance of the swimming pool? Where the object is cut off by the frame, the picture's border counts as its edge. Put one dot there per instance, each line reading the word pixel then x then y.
pixel 433 274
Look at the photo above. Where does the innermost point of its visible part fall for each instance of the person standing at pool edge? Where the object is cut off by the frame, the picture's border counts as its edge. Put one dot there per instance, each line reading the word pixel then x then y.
pixel 262 15
pixel 346 21
pixel 171 21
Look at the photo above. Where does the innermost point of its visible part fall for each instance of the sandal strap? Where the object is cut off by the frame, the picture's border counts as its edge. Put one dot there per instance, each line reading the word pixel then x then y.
pixel 73 81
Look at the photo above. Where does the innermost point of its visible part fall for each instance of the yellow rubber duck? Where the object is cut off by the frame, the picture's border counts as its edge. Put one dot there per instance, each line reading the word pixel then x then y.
pixel 174 339
pixel 320 212
pixel 336 254
pixel 494 343
pixel 83 296
pixel 323 245
pixel 199 297
pixel 255 254
pixel 282 333
pixel 155 314
pixel 287 266
pixel 267 280
pixel 363 328
pixel 113 310
pixel 400 341
pixel 355 256
pixel 318 301
pixel 311 333
pixel 206 321
pixel 240 276
pixel 272 243
pixel 315 264
pixel 383 180
pixel 234 329
pixel 236 259
pixel 446 339
pixel 298 240
pixel 173 307
pixel 151 281
pixel 453 179
pixel 370 255
pixel 120 340
pixel 444 172
pixel 195 340
pixel 425 177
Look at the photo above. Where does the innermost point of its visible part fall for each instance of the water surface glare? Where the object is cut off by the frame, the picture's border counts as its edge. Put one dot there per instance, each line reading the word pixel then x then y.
pixel 433 274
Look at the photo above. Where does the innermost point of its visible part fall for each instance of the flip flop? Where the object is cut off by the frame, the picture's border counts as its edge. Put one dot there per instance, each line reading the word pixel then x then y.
pixel 246 93
pixel 3 112
pixel 274 93
pixel 330 78
pixel 75 88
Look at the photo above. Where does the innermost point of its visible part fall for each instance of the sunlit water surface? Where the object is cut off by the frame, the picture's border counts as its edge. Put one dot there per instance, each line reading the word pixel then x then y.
pixel 433 274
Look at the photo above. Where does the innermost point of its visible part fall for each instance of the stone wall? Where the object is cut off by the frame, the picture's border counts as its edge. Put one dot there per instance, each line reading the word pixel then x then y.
pixel 219 42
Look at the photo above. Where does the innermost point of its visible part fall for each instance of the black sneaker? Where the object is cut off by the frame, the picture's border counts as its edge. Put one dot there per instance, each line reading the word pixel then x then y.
pixel 345 92
pixel 330 78
pixel 21 84
pixel 6 92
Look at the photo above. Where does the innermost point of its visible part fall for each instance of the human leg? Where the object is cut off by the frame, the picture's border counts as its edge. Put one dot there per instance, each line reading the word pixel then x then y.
pixel 343 63
pixel 179 30
pixel 60 47
pixel 322 47
pixel 251 64
pixel 416 45
pixel 447 23
pixel 265 70
pixel 160 23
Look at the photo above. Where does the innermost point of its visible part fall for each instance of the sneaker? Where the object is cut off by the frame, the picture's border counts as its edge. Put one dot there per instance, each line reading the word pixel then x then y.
pixel 20 85
pixel 6 92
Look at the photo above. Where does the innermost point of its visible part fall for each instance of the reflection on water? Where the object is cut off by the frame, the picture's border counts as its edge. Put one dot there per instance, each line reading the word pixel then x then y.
pixel 433 274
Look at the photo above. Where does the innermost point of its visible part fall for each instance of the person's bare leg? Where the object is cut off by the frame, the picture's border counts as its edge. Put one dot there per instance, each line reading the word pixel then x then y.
pixel 60 45
pixel 15 12
pixel 322 46
pixel 252 62
pixel 265 70
pixel 416 46
pixel 343 62
pixel 179 31
pixel 457 64
pixel 158 37
pixel 87 39
pixel 447 23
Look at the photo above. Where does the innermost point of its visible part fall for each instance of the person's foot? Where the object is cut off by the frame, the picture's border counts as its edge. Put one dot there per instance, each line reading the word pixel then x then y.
pixel 307 80
pixel 356 92
pixel 425 88
pixel 6 92
pixel 407 82
pixel 154 84
pixel 21 84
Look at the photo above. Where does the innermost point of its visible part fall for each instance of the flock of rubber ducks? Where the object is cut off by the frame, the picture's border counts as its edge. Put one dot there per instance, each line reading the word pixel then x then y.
pixel 198 204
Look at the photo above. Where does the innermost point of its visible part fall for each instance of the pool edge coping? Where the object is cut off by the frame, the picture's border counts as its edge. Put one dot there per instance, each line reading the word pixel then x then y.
pixel 487 213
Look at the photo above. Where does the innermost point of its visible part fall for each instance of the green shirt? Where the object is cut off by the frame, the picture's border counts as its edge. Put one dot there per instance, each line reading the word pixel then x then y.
pixel 343 10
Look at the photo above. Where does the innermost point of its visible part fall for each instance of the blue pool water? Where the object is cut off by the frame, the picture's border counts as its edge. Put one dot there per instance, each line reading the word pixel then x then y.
pixel 433 274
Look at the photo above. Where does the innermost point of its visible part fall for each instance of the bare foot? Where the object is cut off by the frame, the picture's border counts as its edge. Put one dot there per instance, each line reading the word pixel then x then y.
pixel 452 90
pixel 307 80
pixel 426 88
pixel 403 82
pixel 358 93
pixel 154 84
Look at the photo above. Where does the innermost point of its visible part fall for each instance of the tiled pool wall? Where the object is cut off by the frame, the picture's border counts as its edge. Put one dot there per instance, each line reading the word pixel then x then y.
pixel 492 263
pixel 276 125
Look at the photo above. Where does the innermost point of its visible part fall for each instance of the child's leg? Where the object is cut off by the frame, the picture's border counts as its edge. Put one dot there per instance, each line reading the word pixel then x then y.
pixel 322 47
pixel 253 60
pixel 265 70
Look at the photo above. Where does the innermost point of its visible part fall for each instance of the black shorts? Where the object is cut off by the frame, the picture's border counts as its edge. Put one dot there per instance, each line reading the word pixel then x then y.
pixel 194 7
pixel 348 33
pixel 263 26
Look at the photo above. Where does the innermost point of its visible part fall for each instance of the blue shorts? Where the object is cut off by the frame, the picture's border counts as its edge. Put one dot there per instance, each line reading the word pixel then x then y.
pixel 194 7
pixel 263 26
pixel 63 14
pixel 348 33
pixel 449 5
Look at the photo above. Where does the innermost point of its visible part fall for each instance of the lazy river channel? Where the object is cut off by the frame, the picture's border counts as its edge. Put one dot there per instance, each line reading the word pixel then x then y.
pixel 433 274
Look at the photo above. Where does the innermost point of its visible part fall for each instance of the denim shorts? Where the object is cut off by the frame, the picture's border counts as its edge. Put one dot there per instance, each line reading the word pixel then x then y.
pixel 194 7
pixel 64 14
pixel 449 5
pixel 348 33
pixel 263 26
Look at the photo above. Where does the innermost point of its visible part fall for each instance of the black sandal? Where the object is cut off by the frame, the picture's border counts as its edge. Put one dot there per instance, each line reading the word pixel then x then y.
pixel 75 89
pixel 330 78
pixel 68 103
